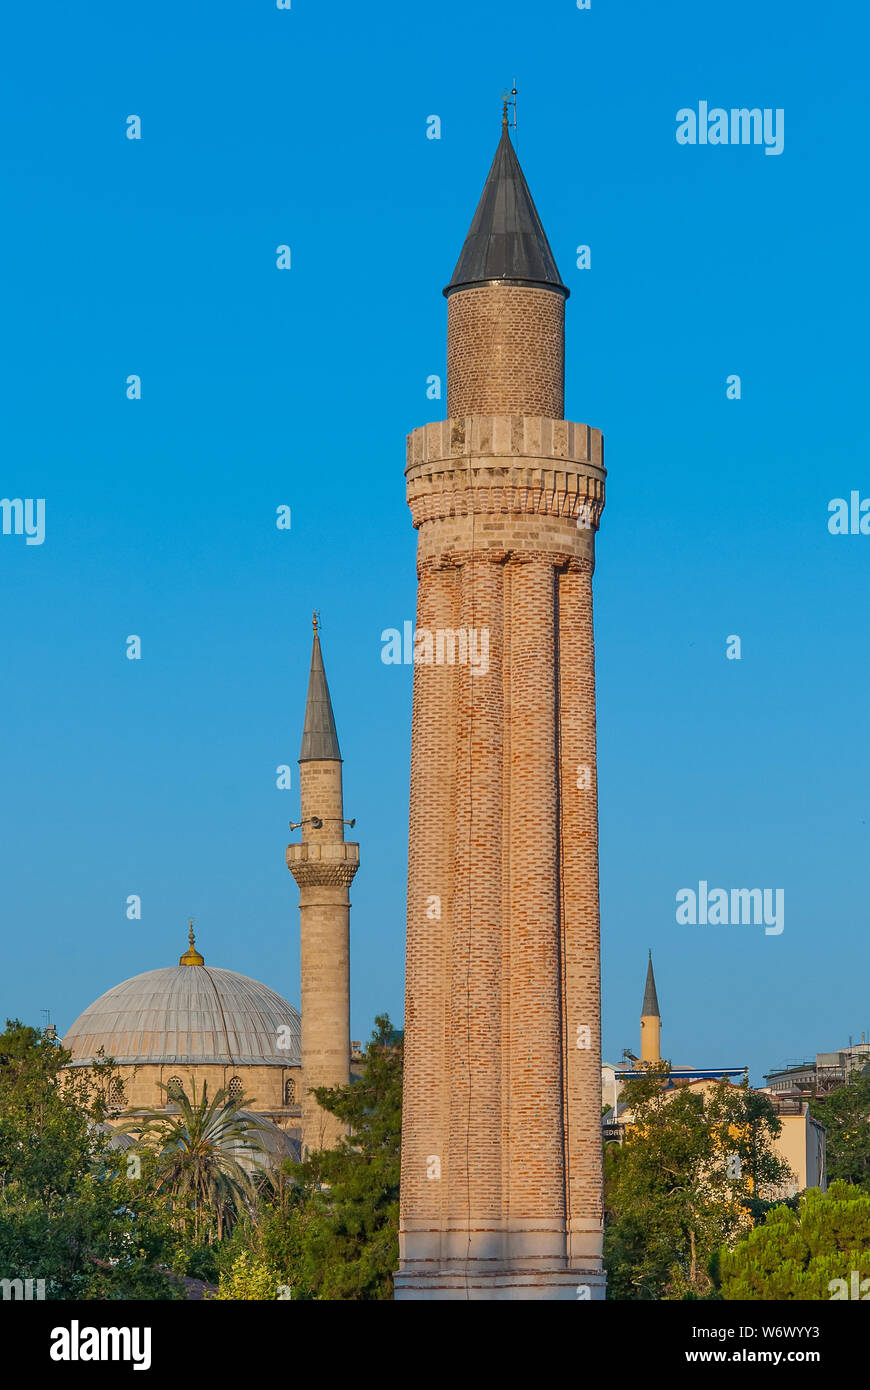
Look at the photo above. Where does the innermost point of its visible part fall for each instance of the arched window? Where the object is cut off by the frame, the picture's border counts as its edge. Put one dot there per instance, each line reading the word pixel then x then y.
pixel 235 1089
pixel 116 1091
pixel 174 1088
pixel 289 1091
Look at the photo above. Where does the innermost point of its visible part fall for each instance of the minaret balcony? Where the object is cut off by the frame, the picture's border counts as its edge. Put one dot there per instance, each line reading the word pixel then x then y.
pixel 328 863
pixel 329 851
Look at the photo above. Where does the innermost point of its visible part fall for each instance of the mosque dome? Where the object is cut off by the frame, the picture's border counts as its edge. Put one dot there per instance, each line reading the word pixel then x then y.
pixel 188 1013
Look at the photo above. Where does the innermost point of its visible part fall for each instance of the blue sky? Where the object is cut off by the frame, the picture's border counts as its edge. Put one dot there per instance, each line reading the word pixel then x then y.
pixel 260 388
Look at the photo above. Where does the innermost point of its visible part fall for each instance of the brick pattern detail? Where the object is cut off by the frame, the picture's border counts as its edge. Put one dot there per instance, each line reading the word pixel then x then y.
pixel 505 351
pixel 578 858
pixel 474 1152
pixel 428 1024
pixel 536 1122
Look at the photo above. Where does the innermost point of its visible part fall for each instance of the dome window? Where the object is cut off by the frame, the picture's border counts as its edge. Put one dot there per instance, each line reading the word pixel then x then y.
pixel 235 1088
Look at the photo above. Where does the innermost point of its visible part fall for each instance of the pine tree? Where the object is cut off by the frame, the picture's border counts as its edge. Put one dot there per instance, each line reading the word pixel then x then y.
pixel 821 1251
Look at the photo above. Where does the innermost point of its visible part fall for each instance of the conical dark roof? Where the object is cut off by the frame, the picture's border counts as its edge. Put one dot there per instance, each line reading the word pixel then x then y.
pixel 506 240
pixel 650 998
pixel 319 739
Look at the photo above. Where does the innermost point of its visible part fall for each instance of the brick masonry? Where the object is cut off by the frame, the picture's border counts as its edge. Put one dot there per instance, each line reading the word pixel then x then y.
pixel 505 351
pixel 501 1149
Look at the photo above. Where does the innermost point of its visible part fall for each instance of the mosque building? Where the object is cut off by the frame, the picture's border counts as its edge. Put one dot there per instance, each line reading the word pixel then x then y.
pixel 195 1023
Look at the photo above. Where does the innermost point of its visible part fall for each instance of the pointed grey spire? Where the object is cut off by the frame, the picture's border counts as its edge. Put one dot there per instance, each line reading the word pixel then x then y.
pixel 506 240
pixel 319 739
pixel 650 998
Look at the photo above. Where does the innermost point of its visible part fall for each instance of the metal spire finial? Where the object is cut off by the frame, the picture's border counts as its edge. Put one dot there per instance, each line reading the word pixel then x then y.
pixel 507 94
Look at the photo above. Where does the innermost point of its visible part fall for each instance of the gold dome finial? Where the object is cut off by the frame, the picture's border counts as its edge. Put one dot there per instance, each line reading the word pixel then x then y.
pixel 314 619
pixel 191 955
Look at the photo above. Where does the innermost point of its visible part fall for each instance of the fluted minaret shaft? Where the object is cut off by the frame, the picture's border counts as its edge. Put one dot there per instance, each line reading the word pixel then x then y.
pixel 501 1136
pixel 323 866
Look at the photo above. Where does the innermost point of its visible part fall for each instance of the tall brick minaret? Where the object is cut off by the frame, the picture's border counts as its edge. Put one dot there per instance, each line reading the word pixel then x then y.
pixel 323 865
pixel 501 1139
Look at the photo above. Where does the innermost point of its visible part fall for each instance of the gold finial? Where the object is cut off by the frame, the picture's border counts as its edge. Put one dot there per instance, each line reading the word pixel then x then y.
pixel 191 955
pixel 314 620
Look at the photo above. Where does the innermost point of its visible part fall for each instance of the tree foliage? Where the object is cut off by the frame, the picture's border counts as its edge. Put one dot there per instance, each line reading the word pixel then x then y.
pixel 845 1113
pixel 799 1254
pixel 332 1233
pixel 69 1213
pixel 195 1153
pixel 687 1179
pixel 246 1278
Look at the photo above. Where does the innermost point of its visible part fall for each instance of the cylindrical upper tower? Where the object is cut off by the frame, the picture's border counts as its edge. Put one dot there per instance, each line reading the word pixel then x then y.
pixel 506 306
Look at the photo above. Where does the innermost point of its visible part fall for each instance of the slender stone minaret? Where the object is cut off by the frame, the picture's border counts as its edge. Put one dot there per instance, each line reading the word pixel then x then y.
pixel 501 1132
pixel 650 1020
pixel 323 865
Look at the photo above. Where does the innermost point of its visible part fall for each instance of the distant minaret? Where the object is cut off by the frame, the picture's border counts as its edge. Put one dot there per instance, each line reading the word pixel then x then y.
pixel 650 1020
pixel 323 865
pixel 501 1191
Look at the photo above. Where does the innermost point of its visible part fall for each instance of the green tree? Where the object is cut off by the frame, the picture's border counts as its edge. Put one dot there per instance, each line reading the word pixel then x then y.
pixel 802 1254
pixel 349 1196
pixel 247 1278
pixel 195 1156
pixel 686 1180
pixel 332 1231
pixel 845 1113
pixel 70 1212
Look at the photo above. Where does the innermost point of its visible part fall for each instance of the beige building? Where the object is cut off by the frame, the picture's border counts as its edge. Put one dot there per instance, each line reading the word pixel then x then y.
pixel 802 1143
pixel 501 1194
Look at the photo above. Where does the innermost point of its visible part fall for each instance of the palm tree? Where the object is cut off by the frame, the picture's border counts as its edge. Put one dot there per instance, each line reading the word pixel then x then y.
pixel 195 1150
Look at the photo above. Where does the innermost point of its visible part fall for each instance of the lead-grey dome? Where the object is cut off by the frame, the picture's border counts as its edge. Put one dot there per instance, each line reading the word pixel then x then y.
pixel 188 1014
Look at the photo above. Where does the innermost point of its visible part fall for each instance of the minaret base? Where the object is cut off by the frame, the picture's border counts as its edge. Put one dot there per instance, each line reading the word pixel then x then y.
pixel 528 1261
pixel 474 1282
